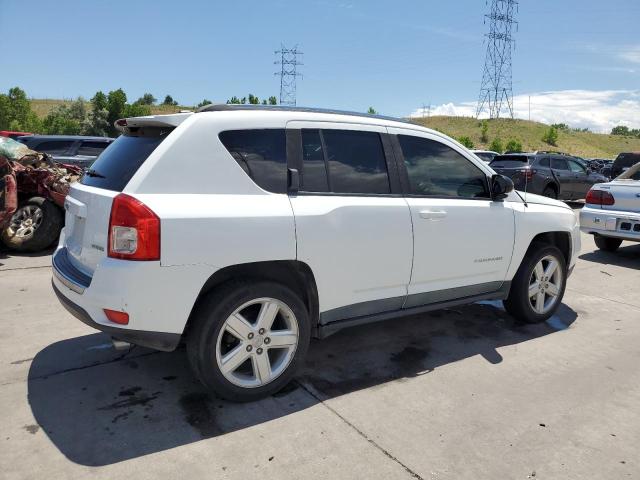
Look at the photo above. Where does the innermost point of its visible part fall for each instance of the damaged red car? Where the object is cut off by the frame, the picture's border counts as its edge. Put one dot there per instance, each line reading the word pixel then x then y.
pixel 32 193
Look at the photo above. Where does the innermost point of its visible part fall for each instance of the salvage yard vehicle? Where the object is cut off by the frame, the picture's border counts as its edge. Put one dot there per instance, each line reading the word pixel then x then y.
pixel 68 149
pixel 246 230
pixel 485 155
pixel 612 211
pixel 32 192
pixel 552 174
pixel 623 162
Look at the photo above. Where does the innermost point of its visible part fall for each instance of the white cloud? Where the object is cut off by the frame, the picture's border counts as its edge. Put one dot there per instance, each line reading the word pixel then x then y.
pixel 631 54
pixel 599 111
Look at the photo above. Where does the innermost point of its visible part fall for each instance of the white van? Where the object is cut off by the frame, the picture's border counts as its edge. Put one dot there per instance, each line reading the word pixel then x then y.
pixel 246 230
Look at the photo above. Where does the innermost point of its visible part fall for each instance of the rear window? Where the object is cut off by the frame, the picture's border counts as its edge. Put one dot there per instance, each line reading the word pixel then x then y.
pixel 509 161
pixel 121 160
pixel 92 149
pixel 53 146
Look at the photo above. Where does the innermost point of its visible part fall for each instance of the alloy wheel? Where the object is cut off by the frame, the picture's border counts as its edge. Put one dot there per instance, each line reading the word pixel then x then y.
pixel 257 342
pixel 545 284
pixel 26 221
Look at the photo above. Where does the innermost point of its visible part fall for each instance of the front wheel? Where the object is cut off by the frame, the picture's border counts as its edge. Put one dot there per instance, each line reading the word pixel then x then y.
pixel 608 244
pixel 538 286
pixel 248 339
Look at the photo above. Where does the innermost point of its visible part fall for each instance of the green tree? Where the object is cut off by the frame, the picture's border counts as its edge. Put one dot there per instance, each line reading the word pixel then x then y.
pixel 560 126
pixel 513 146
pixel 466 141
pixel 496 145
pixel 372 111
pixel 273 100
pixel 16 113
pixel 168 100
pixel 68 119
pixel 551 136
pixel 146 99
pixel 96 122
pixel 234 100
pixel 205 102
pixel 620 130
pixel 116 103
pixel 253 100
pixel 484 131
pixel 136 110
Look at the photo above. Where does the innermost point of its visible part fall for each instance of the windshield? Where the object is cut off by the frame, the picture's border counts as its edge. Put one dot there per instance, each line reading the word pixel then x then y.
pixel 632 174
pixel 121 160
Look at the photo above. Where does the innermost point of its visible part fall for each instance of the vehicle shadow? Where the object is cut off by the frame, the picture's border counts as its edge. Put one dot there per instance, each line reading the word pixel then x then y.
pixel 628 255
pixel 6 253
pixel 101 407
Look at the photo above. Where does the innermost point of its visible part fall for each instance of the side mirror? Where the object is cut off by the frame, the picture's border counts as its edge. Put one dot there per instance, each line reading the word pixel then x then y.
pixel 500 187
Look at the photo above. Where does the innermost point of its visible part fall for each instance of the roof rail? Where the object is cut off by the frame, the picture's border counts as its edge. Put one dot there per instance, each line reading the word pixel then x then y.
pixel 225 107
pixel 553 152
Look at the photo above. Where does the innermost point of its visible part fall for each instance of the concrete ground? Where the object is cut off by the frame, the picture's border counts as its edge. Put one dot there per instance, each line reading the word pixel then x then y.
pixel 454 394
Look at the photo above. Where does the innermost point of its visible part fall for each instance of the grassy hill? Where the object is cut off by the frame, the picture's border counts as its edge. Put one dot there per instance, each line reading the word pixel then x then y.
pixel 585 144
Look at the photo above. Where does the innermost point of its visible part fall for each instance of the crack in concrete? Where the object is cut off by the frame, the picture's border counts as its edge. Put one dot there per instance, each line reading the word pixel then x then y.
pixel 23 268
pixel 360 432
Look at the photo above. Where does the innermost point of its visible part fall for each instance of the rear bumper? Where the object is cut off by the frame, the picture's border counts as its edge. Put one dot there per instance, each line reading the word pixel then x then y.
pixel 608 223
pixel 157 340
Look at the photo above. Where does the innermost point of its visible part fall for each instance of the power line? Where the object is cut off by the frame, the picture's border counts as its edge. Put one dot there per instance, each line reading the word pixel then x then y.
pixel 496 90
pixel 288 73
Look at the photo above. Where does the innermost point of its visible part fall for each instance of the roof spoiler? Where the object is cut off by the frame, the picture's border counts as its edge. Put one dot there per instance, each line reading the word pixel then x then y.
pixel 125 124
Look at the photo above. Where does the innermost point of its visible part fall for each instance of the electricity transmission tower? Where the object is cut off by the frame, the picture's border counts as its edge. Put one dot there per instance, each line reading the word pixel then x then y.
pixel 288 72
pixel 496 91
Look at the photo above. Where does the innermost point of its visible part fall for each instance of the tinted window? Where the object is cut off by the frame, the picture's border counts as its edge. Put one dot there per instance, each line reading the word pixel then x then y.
pixel 122 159
pixel 436 169
pixel 509 161
pixel 53 146
pixel 576 167
pixel 544 162
pixel 356 162
pixel 559 164
pixel 486 156
pixel 260 153
pixel 92 149
pixel 314 171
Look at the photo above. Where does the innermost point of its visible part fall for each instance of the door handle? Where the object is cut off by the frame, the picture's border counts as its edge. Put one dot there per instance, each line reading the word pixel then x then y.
pixel 433 214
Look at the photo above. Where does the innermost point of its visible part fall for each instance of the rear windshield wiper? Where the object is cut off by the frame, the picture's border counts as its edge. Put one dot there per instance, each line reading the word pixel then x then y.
pixel 92 173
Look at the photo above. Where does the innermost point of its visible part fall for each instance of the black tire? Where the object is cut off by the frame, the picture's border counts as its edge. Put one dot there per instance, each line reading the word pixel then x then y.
pixel 518 303
pixel 550 192
pixel 608 244
pixel 209 318
pixel 42 234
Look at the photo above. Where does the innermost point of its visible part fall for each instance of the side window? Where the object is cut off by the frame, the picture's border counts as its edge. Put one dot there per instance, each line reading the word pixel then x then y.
pixel 544 162
pixel 261 154
pixel 438 170
pixel 314 169
pixel 559 164
pixel 92 149
pixel 54 147
pixel 576 167
pixel 356 162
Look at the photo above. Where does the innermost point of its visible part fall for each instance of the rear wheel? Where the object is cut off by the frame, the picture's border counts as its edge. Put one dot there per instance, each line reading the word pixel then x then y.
pixel 550 192
pixel 248 339
pixel 538 286
pixel 607 244
pixel 34 226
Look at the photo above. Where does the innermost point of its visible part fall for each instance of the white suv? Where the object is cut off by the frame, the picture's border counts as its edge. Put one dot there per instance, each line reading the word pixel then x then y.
pixel 244 231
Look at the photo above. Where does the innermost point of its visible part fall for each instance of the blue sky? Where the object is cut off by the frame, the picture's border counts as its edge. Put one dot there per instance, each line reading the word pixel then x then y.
pixel 394 56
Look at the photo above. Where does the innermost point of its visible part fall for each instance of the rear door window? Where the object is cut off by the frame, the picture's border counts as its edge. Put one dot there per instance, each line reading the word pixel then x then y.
pixel 356 162
pixel 262 154
pixel 121 160
pixel 545 162
pixel 559 164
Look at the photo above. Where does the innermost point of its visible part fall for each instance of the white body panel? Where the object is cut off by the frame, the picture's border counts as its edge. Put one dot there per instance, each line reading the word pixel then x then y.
pixel 359 248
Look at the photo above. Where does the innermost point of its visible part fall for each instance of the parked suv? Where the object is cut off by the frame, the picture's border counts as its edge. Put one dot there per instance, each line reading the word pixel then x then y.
pixel 244 231
pixel 554 175
pixel 623 162
pixel 68 149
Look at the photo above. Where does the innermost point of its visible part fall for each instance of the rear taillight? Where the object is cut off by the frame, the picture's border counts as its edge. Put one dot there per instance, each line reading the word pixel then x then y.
pixel 527 173
pixel 134 230
pixel 599 197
